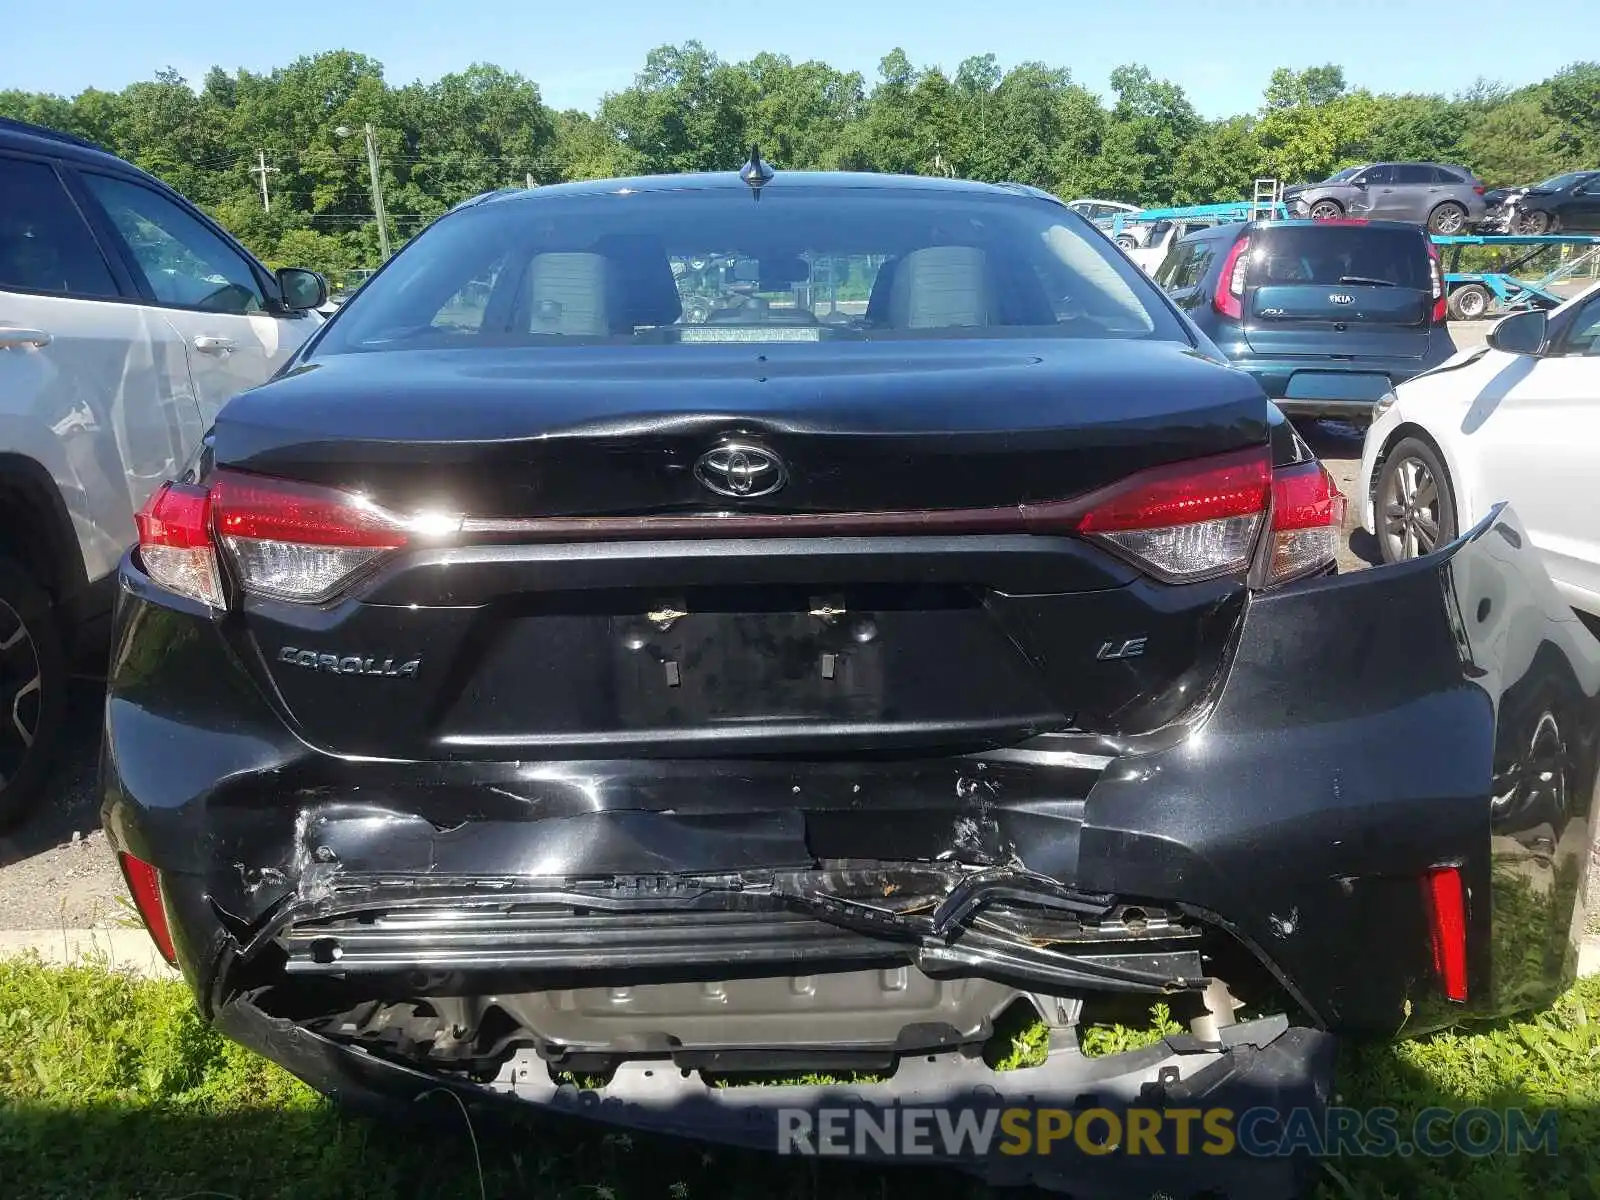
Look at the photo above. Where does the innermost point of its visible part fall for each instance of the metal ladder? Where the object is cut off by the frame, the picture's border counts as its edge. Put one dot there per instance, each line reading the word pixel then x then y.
pixel 1266 200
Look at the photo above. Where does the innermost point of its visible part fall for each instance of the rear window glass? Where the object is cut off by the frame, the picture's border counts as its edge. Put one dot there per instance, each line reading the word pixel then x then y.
pixel 713 265
pixel 1333 254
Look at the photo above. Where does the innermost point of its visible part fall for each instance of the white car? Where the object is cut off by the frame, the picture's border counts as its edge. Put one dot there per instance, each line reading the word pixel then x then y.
pixel 127 319
pixel 1516 420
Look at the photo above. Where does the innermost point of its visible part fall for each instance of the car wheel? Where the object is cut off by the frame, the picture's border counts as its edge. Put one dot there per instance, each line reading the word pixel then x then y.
pixel 1416 513
pixel 1536 223
pixel 1447 218
pixel 1326 210
pixel 33 679
pixel 1126 242
pixel 1469 302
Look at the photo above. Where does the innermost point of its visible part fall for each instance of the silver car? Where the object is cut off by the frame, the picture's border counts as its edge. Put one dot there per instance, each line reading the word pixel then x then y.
pixel 127 319
pixel 1444 197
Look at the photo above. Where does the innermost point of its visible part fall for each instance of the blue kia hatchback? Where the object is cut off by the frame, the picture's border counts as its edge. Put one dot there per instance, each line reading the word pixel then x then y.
pixel 1327 315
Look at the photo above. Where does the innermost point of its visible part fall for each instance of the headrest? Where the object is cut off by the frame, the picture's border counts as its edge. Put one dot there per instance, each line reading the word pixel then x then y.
pixel 643 289
pixel 566 294
pixel 940 287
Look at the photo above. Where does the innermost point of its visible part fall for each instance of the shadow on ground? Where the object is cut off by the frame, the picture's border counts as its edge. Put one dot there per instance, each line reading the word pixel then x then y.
pixel 68 802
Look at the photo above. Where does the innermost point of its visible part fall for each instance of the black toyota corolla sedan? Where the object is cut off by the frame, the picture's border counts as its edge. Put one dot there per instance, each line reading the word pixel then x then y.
pixel 663 629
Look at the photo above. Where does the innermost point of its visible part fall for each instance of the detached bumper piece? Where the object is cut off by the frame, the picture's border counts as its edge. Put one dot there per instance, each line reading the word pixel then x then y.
pixel 1263 1064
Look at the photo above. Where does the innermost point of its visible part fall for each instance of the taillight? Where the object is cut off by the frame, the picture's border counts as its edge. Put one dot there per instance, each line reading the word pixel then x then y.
pixel 1436 275
pixel 293 541
pixel 175 542
pixel 287 541
pixel 1479 189
pixel 144 885
pixel 1307 518
pixel 1187 521
pixel 1229 295
pixel 1446 903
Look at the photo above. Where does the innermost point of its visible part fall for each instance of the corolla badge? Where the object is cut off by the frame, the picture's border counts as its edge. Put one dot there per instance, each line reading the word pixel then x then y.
pixel 351 664
pixel 1342 298
pixel 741 471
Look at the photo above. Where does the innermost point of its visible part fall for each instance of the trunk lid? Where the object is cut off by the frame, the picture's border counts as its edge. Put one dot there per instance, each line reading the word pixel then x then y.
pixel 1331 290
pixel 523 645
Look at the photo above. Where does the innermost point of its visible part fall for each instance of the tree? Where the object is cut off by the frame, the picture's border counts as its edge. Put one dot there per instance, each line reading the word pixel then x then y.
pixel 485 127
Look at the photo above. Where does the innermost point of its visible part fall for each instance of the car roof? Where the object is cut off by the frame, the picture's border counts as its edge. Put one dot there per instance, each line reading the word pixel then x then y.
pixel 729 181
pixel 37 139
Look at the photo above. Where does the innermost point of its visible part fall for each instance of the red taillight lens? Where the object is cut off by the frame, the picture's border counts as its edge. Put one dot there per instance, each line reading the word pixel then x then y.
pixel 1186 521
pixel 1479 189
pixel 1446 904
pixel 1307 518
pixel 1436 275
pixel 175 542
pixel 144 885
pixel 293 541
pixel 1229 295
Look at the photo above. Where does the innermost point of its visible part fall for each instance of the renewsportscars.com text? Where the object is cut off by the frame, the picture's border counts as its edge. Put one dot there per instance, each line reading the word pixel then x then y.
pixel 1217 1132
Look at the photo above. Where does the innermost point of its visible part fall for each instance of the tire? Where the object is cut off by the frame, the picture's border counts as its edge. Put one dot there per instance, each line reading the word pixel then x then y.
pixel 1126 242
pixel 1536 223
pixel 1447 218
pixel 1410 528
pixel 1470 302
pixel 33 677
pixel 1326 210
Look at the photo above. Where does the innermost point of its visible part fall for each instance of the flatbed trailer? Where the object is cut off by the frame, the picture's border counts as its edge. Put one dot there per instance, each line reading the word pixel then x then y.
pixel 1472 293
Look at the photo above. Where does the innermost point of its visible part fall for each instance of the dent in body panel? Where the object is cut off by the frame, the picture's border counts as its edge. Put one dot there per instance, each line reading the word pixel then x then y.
pixel 107 408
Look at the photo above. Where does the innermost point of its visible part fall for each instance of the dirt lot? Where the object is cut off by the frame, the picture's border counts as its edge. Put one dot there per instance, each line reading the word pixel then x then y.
pixel 56 872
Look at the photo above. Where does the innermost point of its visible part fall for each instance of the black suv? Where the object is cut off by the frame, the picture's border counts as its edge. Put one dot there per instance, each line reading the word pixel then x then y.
pixel 532 681
pixel 1327 315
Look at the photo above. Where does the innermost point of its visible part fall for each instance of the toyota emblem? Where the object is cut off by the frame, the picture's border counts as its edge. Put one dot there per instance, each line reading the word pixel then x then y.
pixel 741 471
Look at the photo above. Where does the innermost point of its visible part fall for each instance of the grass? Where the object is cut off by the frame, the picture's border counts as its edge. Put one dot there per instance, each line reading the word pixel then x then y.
pixel 110 1086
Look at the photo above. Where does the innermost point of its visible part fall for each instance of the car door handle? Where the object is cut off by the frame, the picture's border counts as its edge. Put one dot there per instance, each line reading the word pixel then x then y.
pixel 207 344
pixel 10 336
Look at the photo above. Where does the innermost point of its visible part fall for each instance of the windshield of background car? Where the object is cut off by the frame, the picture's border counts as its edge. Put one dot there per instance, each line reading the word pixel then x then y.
pixel 716 265
pixel 1333 254
pixel 1558 182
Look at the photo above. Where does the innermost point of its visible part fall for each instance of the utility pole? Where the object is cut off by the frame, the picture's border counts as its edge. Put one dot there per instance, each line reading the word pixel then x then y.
pixel 263 170
pixel 377 192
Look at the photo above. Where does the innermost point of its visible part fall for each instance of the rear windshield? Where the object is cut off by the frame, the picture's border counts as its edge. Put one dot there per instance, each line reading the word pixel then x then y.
pixel 1334 254
pixel 715 265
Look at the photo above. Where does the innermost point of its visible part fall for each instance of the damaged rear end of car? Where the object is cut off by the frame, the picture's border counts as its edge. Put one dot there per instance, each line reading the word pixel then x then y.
pixel 672 715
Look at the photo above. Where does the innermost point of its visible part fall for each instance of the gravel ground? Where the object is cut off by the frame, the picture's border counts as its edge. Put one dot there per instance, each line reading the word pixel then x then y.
pixel 57 872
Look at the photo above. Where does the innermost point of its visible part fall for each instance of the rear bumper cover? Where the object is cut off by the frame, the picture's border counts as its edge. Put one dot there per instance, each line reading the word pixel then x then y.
pixel 1367 728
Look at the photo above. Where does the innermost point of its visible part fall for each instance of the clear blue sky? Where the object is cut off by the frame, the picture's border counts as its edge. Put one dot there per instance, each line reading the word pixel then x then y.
pixel 1220 52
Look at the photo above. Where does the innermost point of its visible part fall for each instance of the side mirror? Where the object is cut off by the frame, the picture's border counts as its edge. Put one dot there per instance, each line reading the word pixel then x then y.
pixel 1522 333
pixel 1359 183
pixel 302 289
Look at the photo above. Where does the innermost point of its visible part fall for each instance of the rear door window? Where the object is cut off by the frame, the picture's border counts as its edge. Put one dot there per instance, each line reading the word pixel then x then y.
pixel 45 246
pixel 1411 173
pixel 1335 254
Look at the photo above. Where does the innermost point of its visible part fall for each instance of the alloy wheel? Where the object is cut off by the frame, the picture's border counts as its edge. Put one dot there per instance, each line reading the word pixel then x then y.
pixel 21 692
pixel 1325 210
pixel 1411 510
pixel 1448 220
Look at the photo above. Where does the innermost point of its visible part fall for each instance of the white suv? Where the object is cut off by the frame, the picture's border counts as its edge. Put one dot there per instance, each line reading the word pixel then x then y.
pixel 127 318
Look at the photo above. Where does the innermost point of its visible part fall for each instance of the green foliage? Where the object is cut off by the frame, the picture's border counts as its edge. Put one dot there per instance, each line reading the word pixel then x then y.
pixel 486 127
